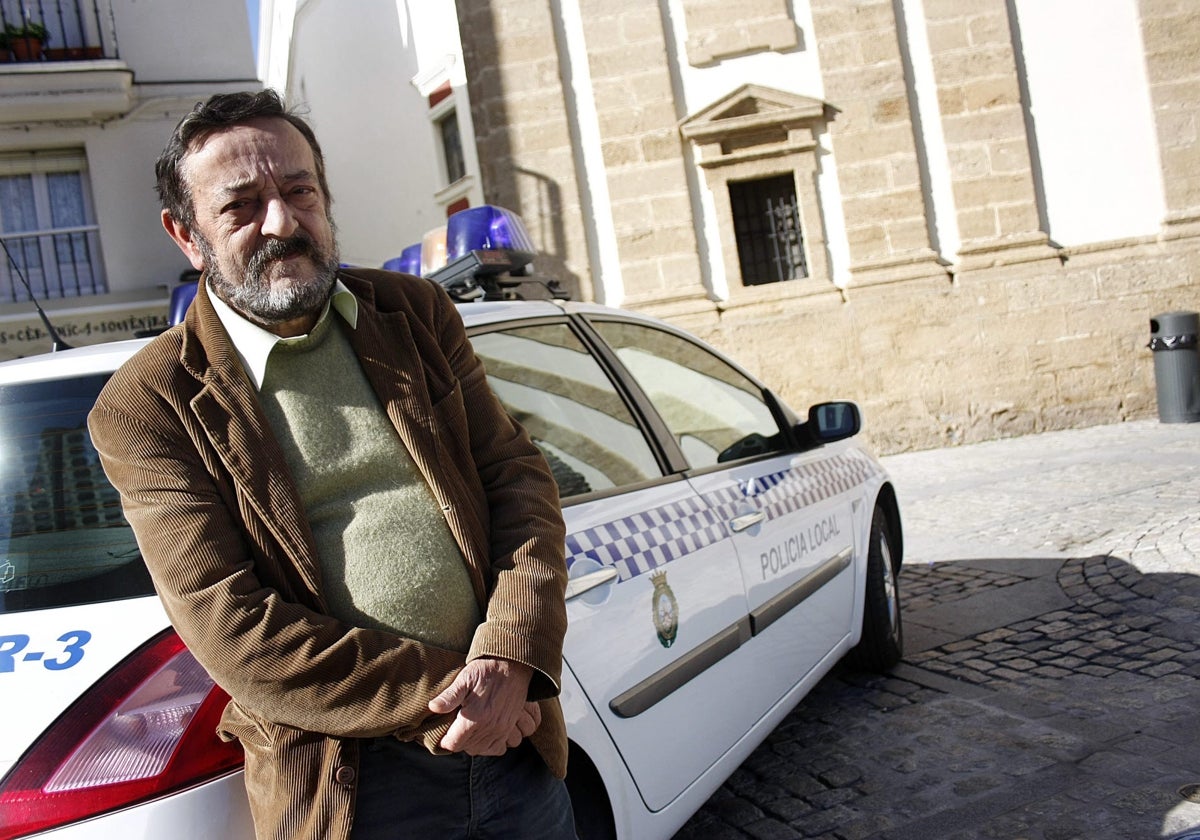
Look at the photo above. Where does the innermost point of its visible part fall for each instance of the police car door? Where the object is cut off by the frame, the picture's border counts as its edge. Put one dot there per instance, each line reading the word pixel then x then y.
pixel 791 515
pixel 655 600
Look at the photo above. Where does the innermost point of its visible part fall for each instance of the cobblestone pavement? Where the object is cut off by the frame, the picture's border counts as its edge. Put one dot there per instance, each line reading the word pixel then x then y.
pixel 1051 684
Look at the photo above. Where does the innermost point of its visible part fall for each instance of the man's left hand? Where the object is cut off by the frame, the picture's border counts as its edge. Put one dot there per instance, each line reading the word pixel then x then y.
pixel 493 714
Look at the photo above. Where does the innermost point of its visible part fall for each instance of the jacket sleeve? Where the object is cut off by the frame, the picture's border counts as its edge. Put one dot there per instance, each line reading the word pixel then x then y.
pixel 268 647
pixel 526 617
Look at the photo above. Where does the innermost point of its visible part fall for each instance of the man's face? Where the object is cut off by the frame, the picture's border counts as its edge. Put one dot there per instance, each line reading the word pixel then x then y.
pixel 262 232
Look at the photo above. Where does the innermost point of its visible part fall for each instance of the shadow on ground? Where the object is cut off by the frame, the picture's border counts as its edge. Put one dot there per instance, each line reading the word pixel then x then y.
pixel 1039 699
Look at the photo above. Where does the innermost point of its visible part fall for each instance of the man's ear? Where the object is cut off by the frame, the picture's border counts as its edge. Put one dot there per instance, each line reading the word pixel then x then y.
pixel 182 235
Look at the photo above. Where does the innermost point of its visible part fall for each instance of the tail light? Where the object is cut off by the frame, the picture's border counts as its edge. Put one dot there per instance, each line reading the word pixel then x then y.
pixel 148 728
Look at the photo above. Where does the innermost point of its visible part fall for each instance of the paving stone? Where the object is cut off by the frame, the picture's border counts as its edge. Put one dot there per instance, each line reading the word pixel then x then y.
pixel 736 811
pixel 788 809
pixel 769 829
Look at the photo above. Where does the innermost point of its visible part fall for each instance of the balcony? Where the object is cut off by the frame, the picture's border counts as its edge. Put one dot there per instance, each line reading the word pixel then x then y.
pixel 56 30
pixel 59 61
pixel 60 263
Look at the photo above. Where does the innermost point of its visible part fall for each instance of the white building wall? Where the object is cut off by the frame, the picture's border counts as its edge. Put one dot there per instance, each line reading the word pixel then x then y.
pixel 364 80
pixel 608 284
pixel 922 90
pixel 1093 119
pixel 276 19
pixel 797 71
pixel 172 54
pixel 138 255
pixel 180 54
pixel 181 41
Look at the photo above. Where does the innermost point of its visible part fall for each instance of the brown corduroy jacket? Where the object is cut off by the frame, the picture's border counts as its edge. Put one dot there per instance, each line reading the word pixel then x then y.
pixel 220 525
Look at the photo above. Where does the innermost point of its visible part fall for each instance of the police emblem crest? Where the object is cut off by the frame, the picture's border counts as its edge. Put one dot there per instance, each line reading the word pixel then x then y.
pixel 665 609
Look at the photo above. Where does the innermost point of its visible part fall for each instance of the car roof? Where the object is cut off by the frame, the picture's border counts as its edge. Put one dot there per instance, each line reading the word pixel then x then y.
pixel 480 313
pixel 62 364
pixel 477 313
pixel 107 357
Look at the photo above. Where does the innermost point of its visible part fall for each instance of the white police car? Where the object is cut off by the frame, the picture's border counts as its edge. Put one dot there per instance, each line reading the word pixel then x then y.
pixel 723 556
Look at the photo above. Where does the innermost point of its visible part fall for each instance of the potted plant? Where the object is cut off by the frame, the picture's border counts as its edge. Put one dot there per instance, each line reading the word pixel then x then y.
pixel 24 41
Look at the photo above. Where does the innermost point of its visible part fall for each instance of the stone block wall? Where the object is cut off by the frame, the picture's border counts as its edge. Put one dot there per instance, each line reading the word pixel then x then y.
pixel 997 352
pixel 644 160
pixel 520 110
pixel 874 137
pixel 984 123
pixel 1007 335
pixel 1171 35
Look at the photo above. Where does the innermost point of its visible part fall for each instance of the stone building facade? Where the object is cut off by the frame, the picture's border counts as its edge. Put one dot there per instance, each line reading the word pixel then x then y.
pixel 971 225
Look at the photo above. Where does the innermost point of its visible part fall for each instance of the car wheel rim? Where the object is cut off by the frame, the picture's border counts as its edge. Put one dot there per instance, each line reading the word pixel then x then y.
pixel 890 591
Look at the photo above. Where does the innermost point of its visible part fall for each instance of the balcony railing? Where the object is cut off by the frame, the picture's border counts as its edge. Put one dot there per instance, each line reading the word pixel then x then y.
pixel 59 263
pixel 75 30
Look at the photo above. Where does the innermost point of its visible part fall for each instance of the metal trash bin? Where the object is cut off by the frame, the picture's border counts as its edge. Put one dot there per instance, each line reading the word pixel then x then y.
pixel 1173 338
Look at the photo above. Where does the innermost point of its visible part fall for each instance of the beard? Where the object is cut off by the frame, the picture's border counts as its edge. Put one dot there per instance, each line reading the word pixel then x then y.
pixel 256 297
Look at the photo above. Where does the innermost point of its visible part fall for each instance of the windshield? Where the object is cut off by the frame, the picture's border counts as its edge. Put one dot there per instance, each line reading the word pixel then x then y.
pixel 63 540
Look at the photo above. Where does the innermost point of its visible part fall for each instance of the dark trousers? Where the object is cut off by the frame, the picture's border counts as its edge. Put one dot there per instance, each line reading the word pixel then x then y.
pixel 405 792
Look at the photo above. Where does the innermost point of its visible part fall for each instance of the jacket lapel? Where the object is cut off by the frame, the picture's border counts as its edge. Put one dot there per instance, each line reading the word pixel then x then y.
pixel 228 410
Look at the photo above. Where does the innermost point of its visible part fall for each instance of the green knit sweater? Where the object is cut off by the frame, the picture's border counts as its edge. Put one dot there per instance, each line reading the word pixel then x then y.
pixel 387 557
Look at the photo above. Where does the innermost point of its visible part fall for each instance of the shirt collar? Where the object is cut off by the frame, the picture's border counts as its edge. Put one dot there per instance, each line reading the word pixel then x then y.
pixel 254 344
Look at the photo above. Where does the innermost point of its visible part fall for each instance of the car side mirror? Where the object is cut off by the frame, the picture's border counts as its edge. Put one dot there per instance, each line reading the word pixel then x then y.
pixel 832 421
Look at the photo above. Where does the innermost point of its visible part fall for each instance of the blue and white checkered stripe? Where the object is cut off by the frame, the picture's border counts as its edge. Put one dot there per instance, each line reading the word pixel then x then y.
pixel 790 490
pixel 637 544
pixel 640 543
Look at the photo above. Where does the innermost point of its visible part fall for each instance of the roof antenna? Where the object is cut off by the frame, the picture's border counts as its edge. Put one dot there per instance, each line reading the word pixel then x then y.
pixel 57 342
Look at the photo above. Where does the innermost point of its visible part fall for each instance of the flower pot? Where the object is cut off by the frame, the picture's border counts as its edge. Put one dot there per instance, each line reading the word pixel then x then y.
pixel 25 49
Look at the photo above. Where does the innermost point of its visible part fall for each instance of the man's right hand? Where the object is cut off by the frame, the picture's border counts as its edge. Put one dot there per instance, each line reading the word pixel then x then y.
pixel 493 714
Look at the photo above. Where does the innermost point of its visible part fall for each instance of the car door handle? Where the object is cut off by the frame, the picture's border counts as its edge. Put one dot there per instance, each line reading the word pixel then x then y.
pixel 583 583
pixel 747 520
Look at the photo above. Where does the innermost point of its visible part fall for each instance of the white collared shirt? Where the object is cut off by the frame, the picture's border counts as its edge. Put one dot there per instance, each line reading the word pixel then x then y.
pixel 254 344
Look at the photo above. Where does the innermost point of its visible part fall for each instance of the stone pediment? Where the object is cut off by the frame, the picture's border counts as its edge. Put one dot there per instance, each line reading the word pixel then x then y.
pixel 753 109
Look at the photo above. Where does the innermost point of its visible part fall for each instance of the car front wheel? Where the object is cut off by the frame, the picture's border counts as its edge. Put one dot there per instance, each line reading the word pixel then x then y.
pixel 882 642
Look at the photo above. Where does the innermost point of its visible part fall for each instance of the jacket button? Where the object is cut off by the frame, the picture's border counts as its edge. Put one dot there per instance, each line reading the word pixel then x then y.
pixel 344 775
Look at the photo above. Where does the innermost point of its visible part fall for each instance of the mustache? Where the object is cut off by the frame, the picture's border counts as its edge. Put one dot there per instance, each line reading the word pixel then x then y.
pixel 299 244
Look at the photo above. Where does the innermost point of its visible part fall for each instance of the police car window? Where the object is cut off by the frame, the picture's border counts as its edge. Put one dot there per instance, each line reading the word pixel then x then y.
pixel 63 540
pixel 715 413
pixel 549 382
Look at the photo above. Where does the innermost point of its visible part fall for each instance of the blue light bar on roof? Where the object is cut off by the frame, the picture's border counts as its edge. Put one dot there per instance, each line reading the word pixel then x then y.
pixel 487 228
pixel 409 260
pixel 181 299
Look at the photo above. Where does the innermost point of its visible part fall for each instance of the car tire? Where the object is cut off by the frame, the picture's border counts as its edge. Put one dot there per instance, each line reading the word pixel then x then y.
pixel 882 642
pixel 589 802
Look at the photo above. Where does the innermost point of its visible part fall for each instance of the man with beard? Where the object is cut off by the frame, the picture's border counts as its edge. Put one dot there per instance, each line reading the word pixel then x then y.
pixel 343 524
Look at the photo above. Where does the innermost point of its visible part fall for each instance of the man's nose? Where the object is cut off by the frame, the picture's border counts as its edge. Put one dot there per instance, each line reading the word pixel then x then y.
pixel 279 221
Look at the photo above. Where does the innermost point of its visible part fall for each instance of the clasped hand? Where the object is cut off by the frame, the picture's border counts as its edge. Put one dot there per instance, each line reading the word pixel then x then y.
pixel 493 712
